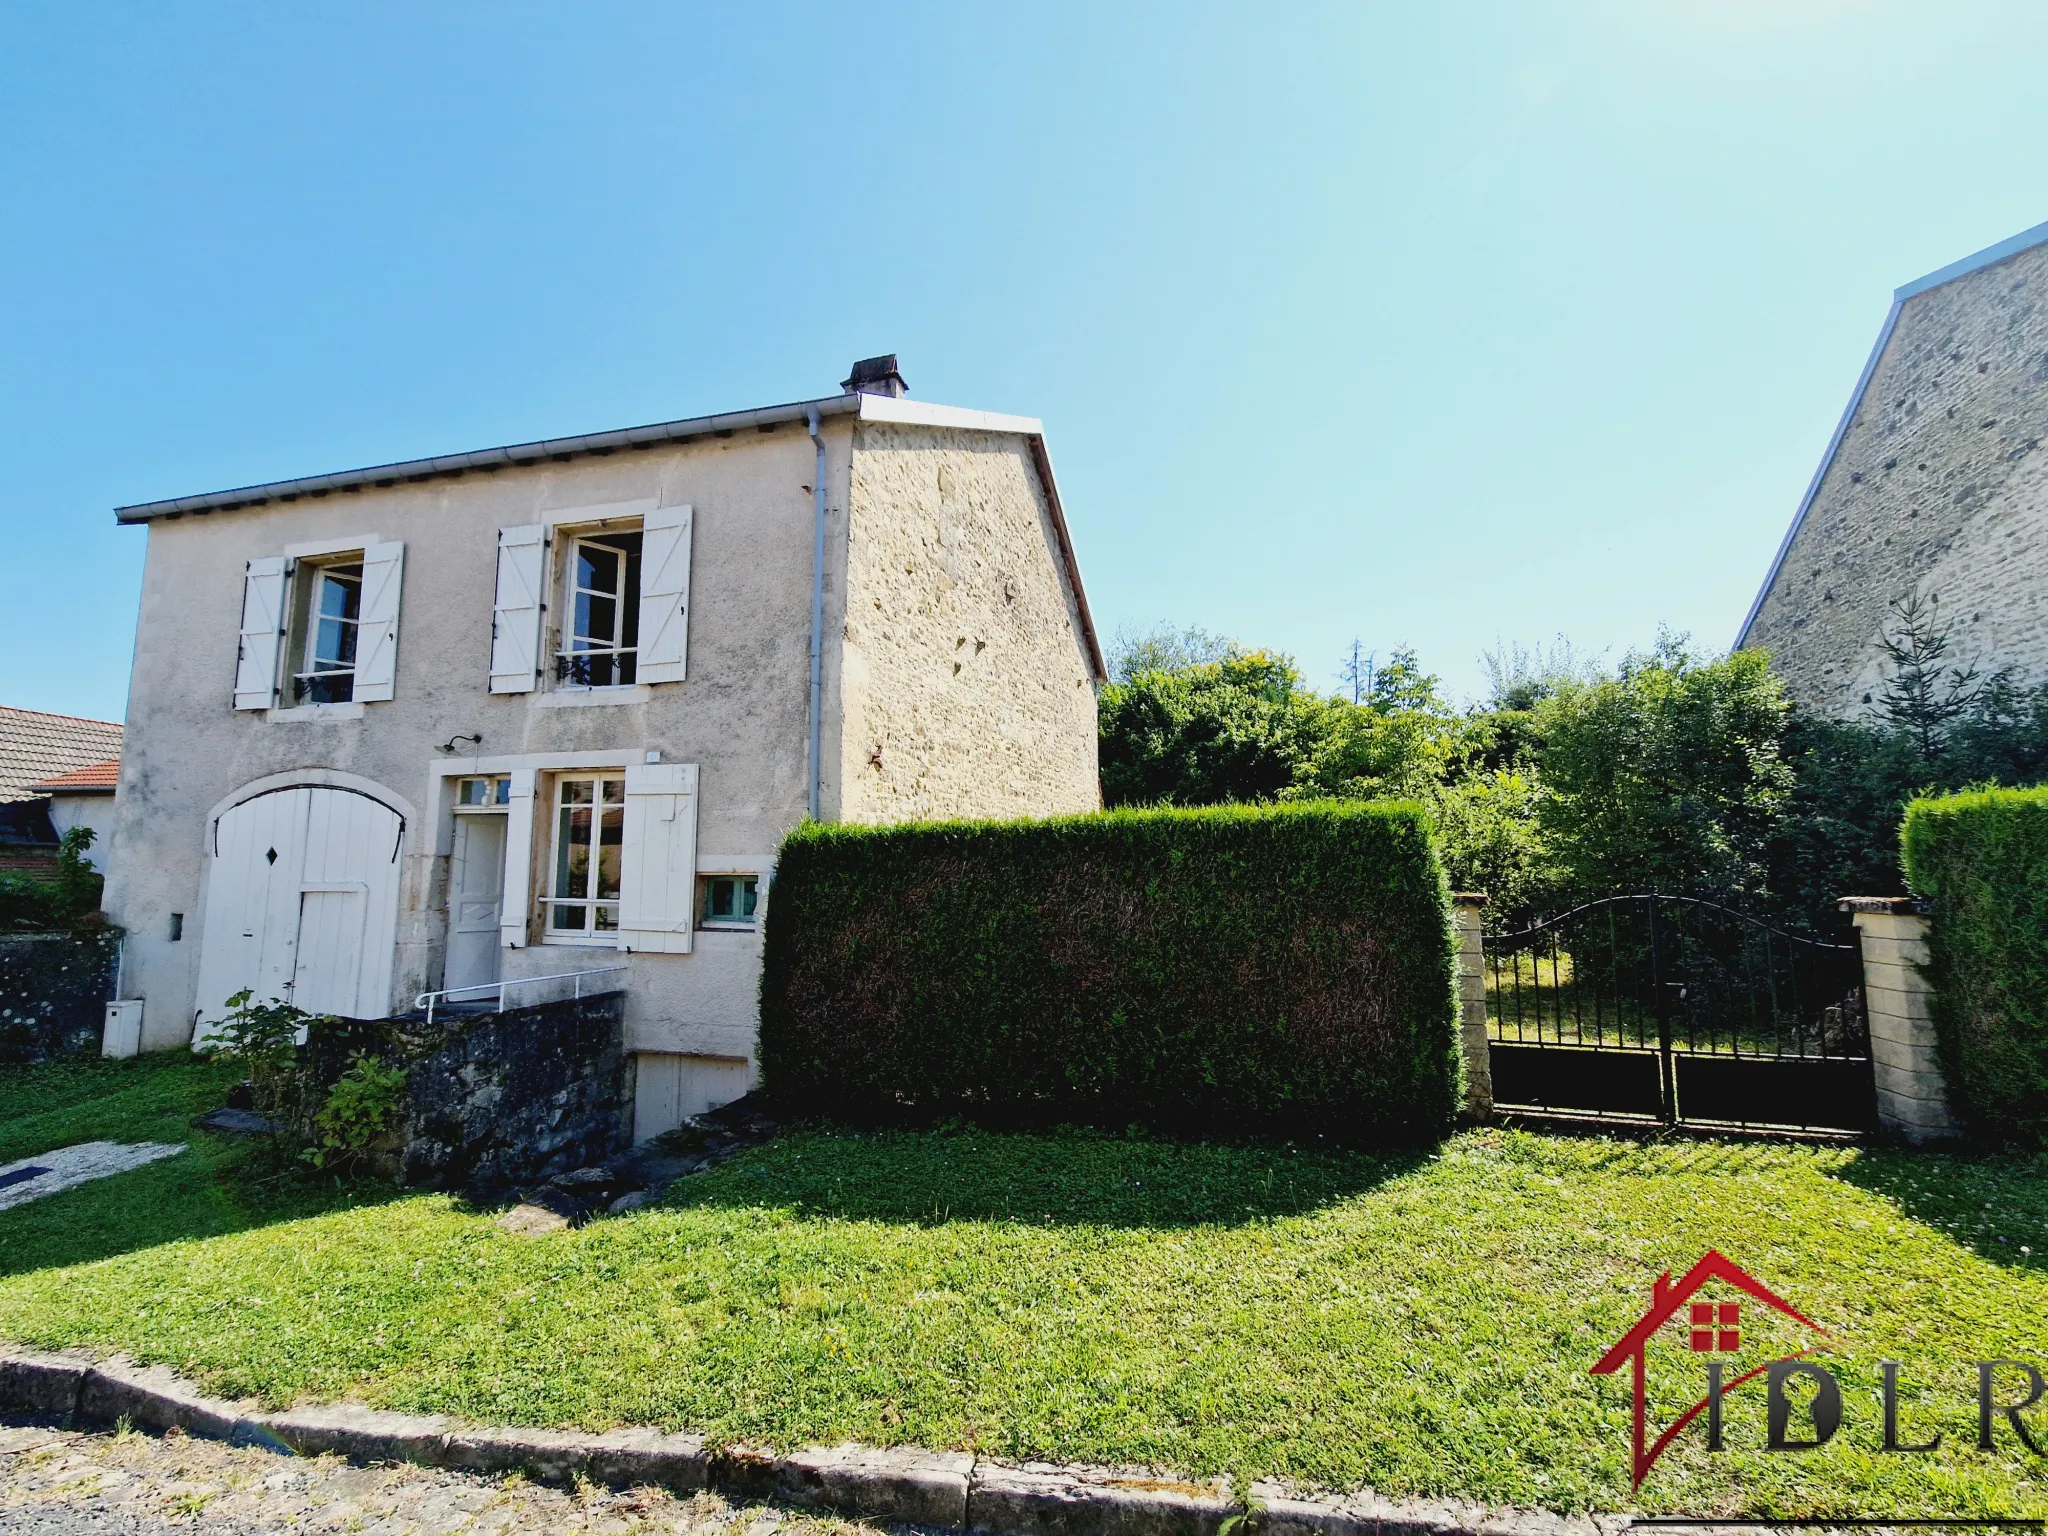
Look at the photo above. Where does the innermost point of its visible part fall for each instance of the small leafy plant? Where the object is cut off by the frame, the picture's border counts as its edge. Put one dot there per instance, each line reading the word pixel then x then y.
pixel 362 1105
pixel 263 1039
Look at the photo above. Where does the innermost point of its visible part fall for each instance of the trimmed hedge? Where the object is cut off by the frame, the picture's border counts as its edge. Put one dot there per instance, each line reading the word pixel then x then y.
pixel 1982 859
pixel 1244 968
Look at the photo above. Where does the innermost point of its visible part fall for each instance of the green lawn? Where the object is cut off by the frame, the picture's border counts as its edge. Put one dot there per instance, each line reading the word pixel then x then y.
pixel 1421 1323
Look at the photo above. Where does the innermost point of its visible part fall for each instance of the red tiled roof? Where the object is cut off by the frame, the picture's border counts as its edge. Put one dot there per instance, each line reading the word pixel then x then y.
pixel 34 747
pixel 92 778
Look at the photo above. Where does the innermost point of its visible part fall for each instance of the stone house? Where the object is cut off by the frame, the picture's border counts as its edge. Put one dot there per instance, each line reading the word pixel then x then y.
pixel 1932 485
pixel 549 710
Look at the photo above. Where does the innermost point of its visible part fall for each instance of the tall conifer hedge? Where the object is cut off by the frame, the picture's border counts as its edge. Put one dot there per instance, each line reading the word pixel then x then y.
pixel 1981 858
pixel 1275 968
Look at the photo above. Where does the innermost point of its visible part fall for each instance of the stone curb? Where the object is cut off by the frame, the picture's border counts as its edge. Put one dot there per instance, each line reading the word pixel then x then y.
pixel 945 1490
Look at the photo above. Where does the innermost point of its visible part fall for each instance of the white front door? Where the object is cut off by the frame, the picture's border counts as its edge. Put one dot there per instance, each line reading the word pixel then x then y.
pixel 476 900
pixel 301 904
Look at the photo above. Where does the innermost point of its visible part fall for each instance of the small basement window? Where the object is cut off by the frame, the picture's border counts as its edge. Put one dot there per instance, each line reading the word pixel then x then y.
pixel 601 640
pixel 728 901
pixel 327 606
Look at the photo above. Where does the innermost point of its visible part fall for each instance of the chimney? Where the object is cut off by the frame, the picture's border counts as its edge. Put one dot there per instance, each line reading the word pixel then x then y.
pixel 875 376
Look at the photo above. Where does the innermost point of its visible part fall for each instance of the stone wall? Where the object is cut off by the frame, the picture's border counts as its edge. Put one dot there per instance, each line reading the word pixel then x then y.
pixel 496 1102
pixel 1937 489
pixel 53 993
pixel 512 1098
pixel 965 685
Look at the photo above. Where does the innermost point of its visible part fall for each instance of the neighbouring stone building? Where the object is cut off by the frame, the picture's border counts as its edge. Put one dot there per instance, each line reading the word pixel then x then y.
pixel 516 713
pixel 56 772
pixel 1933 485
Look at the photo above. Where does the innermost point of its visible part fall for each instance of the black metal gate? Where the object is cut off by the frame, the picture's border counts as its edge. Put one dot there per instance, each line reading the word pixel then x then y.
pixel 1674 1009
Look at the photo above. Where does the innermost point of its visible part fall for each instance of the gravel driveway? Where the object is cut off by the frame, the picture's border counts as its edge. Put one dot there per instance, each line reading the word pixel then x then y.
pixel 66 1483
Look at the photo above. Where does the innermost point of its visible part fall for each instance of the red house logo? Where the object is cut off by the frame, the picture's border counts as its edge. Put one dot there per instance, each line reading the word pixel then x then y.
pixel 1711 1327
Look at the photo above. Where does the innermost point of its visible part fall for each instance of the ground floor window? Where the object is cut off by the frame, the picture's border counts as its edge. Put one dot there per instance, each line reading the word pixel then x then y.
pixel 728 901
pixel 589 831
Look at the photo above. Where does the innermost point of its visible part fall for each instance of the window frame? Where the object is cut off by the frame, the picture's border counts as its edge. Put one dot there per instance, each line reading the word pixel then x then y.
pixel 623 670
pixel 309 578
pixel 601 805
pixel 706 878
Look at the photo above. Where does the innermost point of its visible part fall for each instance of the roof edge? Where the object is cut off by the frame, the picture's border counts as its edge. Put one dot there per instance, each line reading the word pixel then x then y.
pixel 518 454
pixel 1827 461
pixel 1990 256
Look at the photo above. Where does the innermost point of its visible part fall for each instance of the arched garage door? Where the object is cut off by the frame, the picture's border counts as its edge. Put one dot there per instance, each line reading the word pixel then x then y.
pixel 302 903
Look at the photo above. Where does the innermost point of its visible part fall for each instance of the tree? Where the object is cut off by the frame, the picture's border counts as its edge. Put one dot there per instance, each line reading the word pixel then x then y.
pixel 1923 698
pixel 1667 776
pixel 1520 677
pixel 1207 732
pixel 1401 686
pixel 1164 649
pixel 1357 671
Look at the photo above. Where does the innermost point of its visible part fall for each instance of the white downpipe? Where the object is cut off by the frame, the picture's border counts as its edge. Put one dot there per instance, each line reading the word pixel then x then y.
pixel 817 611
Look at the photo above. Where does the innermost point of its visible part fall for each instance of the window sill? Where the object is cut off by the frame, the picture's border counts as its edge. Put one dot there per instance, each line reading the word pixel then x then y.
pixel 576 941
pixel 728 927
pixel 349 711
pixel 586 698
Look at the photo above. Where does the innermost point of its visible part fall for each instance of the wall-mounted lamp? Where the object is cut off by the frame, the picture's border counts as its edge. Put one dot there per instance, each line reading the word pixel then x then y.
pixel 449 744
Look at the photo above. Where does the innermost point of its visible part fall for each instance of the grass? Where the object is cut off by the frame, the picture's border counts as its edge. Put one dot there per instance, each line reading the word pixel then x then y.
pixel 1421 1323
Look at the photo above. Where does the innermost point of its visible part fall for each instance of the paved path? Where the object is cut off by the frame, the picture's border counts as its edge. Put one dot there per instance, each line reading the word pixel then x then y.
pixel 48 1173
pixel 66 1483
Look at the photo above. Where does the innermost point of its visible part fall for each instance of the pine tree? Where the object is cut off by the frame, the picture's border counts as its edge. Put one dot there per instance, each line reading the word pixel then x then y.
pixel 1923 697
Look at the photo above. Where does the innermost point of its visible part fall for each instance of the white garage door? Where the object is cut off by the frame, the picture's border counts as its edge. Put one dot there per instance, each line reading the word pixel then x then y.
pixel 302 904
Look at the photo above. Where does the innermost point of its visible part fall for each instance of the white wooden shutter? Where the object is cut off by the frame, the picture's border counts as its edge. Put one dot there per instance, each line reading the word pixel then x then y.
pixel 262 632
pixel 664 595
pixel 658 881
pixel 516 613
pixel 377 629
pixel 517 899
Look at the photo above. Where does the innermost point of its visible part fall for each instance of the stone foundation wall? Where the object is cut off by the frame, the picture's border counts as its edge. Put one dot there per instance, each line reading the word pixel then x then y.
pixel 509 1099
pixel 53 993
pixel 497 1102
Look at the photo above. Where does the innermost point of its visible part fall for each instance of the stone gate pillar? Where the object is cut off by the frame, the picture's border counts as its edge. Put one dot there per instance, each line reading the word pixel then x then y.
pixel 1912 1094
pixel 1465 911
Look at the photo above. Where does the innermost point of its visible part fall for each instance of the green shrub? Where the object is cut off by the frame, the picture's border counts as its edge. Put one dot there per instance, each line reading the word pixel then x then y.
pixel 1982 859
pixel 1277 968
pixel 363 1107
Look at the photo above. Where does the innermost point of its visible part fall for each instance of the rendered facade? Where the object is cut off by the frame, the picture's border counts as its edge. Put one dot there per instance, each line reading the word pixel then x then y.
pixel 549 709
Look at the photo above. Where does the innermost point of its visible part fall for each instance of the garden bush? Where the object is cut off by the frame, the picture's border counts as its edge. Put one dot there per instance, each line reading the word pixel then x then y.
pixel 1279 968
pixel 1981 858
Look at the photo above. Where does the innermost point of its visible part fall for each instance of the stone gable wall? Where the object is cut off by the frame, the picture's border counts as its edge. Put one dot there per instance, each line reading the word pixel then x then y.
pixel 1936 488
pixel 965 686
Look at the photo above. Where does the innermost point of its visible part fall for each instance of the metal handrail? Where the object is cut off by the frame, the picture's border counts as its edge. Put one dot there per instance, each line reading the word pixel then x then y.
pixel 427 1000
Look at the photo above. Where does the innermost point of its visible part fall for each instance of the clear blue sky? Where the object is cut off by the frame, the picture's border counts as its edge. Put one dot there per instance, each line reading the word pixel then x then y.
pixel 1429 323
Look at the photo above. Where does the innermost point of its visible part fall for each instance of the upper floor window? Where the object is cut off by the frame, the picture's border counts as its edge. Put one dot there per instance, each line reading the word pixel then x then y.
pixel 601 602
pixel 601 640
pixel 320 625
pixel 327 612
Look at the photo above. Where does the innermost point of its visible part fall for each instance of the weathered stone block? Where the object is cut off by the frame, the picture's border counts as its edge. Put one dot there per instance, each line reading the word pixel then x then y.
pixel 154 1397
pixel 361 1434
pixel 911 1486
pixel 1044 1499
pixel 35 1385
